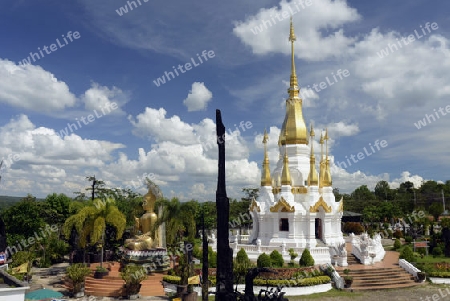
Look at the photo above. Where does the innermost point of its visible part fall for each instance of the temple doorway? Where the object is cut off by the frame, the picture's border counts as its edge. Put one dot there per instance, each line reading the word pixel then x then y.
pixel 318 228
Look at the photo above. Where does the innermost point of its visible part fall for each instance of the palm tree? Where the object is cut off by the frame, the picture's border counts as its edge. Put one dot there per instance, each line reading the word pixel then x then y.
pixel 179 220
pixel 91 220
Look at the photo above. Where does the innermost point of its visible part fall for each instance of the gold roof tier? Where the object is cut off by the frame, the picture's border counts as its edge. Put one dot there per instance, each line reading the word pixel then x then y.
pixel 294 128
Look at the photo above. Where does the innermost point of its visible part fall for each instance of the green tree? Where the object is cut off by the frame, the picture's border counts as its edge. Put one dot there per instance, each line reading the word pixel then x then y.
pixel 362 193
pixel 436 210
pixel 58 207
pixel 91 221
pixel 23 219
pixel 383 191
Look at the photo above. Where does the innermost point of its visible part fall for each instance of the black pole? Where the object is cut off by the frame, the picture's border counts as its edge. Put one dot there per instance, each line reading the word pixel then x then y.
pixel 224 274
pixel 205 265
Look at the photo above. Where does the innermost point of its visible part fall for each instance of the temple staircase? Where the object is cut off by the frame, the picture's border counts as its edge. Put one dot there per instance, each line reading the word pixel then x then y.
pixel 380 278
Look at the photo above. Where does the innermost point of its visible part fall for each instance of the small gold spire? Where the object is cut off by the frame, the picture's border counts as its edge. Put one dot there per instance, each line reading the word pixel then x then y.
pixel 265 174
pixel 312 178
pixel 321 163
pixel 327 176
pixel 286 175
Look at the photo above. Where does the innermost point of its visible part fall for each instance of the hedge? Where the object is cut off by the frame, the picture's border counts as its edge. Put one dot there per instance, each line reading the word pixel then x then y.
pixel 294 282
pixel 439 274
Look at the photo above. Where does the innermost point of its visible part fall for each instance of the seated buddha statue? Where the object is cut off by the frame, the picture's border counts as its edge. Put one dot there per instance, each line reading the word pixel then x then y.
pixel 145 225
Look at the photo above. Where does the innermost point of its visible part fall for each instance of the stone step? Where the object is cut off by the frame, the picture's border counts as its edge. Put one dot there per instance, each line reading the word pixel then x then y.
pixel 382 287
pixel 375 270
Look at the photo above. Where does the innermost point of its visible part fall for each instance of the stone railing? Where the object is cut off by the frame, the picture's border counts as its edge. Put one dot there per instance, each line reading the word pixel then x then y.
pixel 320 254
pixel 408 267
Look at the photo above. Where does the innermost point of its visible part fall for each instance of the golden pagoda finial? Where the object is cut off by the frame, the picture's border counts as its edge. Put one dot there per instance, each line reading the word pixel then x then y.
pixel 286 175
pixel 265 174
pixel 294 130
pixel 293 88
pixel 312 178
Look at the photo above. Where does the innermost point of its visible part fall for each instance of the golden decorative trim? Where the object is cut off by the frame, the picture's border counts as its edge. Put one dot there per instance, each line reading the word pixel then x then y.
pixel 320 203
pixel 299 190
pixel 254 206
pixel 341 205
pixel 283 205
pixel 276 190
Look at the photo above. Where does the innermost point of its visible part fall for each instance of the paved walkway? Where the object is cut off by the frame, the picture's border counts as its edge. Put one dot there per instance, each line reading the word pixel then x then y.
pixel 390 261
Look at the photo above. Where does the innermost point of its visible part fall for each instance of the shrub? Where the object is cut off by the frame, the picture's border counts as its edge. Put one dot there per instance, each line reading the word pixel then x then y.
pixel 437 251
pixel 242 257
pixel 276 259
pixel 407 254
pixel 397 244
pixel 264 261
pixel 353 227
pixel 212 258
pixel 408 239
pixel 172 279
pixel 422 251
pixel 306 260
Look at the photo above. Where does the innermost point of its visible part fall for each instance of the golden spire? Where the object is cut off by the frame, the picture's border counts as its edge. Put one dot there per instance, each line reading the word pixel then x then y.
pixel 312 178
pixel 292 39
pixel 327 176
pixel 294 129
pixel 265 174
pixel 286 175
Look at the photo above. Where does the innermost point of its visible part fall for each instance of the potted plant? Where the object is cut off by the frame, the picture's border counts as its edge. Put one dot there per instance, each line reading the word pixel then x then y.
pixel 185 290
pixel 76 273
pixel 421 276
pixel 100 272
pixel 293 255
pixel 133 275
pixel 348 280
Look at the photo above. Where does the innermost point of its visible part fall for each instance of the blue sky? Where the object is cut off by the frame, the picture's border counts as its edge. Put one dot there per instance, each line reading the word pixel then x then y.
pixel 164 130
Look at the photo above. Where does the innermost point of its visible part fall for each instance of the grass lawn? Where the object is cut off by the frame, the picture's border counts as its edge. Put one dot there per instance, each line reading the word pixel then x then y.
pixel 330 294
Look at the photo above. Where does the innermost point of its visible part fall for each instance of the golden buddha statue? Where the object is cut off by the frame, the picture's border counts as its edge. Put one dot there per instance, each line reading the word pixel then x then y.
pixel 146 223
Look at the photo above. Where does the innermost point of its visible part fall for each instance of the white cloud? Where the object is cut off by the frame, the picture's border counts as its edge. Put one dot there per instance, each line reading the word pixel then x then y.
pixel 46 163
pixel 101 98
pixel 340 129
pixel 412 76
pixel 198 97
pixel 318 26
pixel 31 87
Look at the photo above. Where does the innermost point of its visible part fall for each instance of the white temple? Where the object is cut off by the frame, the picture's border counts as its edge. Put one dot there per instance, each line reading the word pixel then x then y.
pixel 296 207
